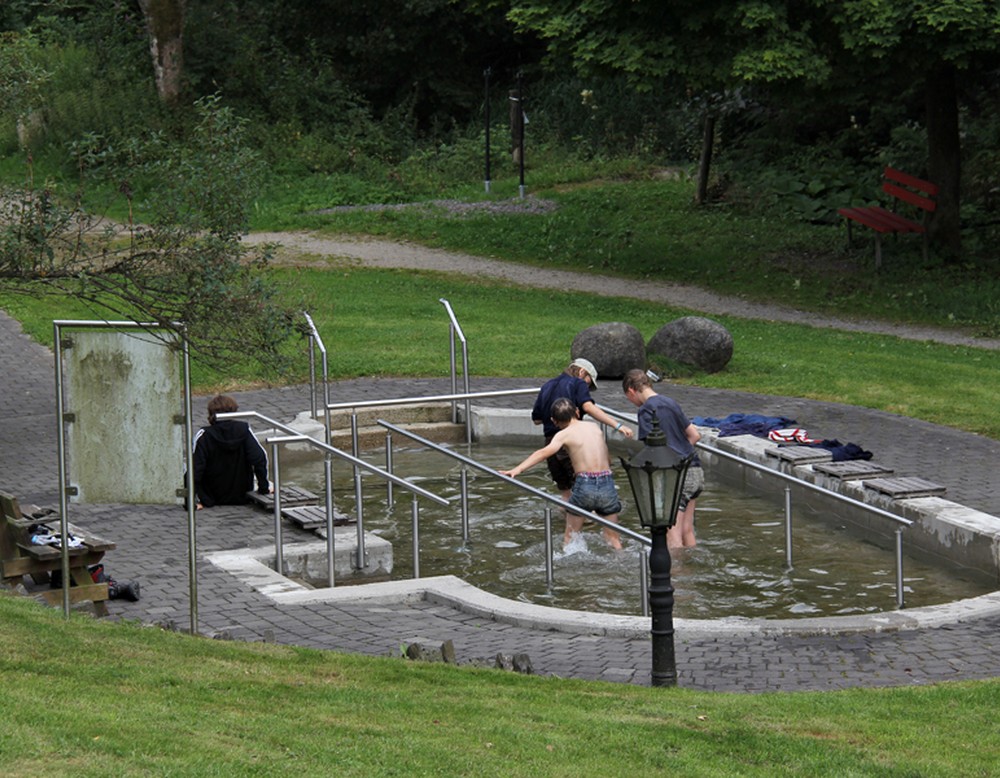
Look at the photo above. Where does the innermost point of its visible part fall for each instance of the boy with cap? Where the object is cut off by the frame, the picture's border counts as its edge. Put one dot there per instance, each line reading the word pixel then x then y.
pixel 575 383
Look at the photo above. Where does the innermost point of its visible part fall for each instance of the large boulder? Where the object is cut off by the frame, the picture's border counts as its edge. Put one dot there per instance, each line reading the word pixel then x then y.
pixel 693 341
pixel 614 348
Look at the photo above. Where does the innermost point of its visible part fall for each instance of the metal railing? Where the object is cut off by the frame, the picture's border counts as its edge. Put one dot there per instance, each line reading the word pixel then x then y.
pixel 455 331
pixel 466 396
pixel 293 435
pixel 901 522
pixel 547 498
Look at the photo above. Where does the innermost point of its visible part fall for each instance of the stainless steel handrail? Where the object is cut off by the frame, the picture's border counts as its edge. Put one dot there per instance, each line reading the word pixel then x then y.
pixel 520 484
pixel 316 341
pixel 790 479
pixel 344 406
pixel 642 539
pixel 359 464
pixel 455 330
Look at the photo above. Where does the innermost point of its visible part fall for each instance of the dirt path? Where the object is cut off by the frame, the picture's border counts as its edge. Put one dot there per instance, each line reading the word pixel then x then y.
pixel 309 249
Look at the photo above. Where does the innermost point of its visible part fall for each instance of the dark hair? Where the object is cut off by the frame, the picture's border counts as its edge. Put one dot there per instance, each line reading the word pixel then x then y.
pixel 635 379
pixel 221 403
pixel 563 410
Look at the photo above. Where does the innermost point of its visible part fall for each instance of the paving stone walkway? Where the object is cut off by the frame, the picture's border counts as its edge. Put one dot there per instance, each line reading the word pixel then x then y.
pixel 152 547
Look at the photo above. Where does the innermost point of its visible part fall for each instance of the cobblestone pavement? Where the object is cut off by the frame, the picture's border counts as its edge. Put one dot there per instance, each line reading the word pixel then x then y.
pixel 152 547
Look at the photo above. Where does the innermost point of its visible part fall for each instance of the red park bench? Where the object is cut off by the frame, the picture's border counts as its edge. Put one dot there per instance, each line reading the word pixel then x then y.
pixel 905 188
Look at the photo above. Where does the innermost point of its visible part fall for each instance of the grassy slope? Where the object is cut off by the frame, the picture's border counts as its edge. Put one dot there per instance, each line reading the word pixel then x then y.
pixel 91 698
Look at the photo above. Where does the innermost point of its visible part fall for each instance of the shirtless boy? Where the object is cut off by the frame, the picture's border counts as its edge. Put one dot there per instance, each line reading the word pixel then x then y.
pixel 593 488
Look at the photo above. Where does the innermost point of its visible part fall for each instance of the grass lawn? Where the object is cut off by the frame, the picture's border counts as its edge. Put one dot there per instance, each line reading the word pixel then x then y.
pixel 91 698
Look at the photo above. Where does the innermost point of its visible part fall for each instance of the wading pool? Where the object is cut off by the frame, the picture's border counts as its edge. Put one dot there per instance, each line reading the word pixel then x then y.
pixel 737 569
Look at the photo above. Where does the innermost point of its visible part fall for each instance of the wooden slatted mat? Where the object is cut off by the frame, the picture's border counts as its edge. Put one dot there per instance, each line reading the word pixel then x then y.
pixel 853 470
pixel 899 488
pixel 290 496
pixel 314 516
pixel 800 455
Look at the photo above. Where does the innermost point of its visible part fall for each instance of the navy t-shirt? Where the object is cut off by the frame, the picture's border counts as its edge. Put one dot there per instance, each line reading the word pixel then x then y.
pixel 564 385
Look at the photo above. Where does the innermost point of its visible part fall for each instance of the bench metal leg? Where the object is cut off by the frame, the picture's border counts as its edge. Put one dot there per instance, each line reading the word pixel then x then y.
pixel 878 250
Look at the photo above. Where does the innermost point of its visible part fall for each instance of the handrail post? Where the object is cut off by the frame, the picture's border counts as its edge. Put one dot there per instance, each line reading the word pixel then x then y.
pixel 455 331
pixel 549 578
pixel 899 568
pixel 788 526
pixel 389 496
pixel 359 513
pixel 279 563
pixel 415 521
pixel 465 504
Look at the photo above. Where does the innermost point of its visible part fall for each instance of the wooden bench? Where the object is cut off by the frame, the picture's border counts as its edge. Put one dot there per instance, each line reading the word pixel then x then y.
pixel 906 189
pixel 19 557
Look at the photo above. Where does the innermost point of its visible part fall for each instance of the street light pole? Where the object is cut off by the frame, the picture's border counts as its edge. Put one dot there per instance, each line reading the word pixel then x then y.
pixel 656 475
pixel 661 608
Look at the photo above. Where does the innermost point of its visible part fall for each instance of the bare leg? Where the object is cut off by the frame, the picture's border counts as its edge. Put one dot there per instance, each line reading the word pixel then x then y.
pixel 573 523
pixel 681 535
pixel 612 538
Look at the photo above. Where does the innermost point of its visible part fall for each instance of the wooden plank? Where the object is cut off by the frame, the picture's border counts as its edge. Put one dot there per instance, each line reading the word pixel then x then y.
pixel 909 197
pixel 290 496
pixel 314 516
pixel 94 592
pixel 25 565
pixel 901 488
pixel 911 181
pixel 852 470
pixel 800 455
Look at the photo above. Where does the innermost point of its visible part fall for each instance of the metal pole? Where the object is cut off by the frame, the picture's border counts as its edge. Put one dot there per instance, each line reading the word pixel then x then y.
pixel 389 497
pixel 359 512
pixel 899 567
pixel 191 496
pixel 549 578
pixel 312 376
pixel 661 605
pixel 279 563
pixel 415 521
pixel 465 504
pixel 521 122
pixel 486 77
pixel 465 384
pixel 63 486
pixel 788 527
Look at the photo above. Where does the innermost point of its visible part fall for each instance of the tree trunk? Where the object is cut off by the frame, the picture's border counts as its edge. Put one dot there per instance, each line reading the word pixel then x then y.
pixel 705 164
pixel 944 150
pixel 165 25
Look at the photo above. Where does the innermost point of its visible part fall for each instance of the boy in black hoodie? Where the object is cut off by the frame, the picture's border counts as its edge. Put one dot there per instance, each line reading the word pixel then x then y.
pixel 227 456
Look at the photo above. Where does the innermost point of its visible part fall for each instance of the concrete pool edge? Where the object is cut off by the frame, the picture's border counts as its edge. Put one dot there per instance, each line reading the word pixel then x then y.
pixel 249 566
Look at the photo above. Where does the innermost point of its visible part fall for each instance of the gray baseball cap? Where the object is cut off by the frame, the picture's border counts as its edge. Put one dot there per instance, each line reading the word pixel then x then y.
pixel 587 365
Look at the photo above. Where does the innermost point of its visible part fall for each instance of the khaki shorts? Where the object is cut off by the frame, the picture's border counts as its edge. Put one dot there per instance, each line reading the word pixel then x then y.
pixel 694 485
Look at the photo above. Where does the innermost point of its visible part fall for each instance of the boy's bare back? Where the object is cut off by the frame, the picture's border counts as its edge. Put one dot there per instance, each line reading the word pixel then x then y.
pixel 586 446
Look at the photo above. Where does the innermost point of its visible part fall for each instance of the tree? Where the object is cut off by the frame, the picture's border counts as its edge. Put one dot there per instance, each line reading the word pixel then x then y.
pixel 165 25
pixel 182 265
pixel 712 46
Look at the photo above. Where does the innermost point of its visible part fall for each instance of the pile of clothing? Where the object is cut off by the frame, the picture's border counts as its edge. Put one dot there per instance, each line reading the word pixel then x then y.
pixel 780 429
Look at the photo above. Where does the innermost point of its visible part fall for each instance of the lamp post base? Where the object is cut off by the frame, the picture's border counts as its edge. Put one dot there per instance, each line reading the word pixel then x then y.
pixel 661 607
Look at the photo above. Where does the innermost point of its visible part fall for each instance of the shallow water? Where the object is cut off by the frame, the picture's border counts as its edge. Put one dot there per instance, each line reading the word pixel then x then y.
pixel 737 568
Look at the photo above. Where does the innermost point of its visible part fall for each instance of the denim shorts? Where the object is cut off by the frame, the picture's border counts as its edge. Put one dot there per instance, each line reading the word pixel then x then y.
pixel 596 492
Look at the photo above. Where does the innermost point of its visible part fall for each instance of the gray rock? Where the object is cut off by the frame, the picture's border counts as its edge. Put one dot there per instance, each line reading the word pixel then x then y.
pixel 693 341
pixel 614 348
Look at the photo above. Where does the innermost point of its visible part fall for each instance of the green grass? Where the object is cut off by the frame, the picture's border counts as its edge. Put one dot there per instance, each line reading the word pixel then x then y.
pixel 647 228
pixel 92 698
pixel 391 323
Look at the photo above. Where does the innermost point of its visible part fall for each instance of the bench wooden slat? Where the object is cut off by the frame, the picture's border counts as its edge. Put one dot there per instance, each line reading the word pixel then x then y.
pixel 911 181
pixel 910 197
pixel 906 189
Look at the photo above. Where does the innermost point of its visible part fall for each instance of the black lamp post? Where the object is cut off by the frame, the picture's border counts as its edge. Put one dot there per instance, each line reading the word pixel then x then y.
pixel 656 475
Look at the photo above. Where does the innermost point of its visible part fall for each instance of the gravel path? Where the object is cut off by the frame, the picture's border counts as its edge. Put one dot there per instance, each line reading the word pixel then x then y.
pixel 314 250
